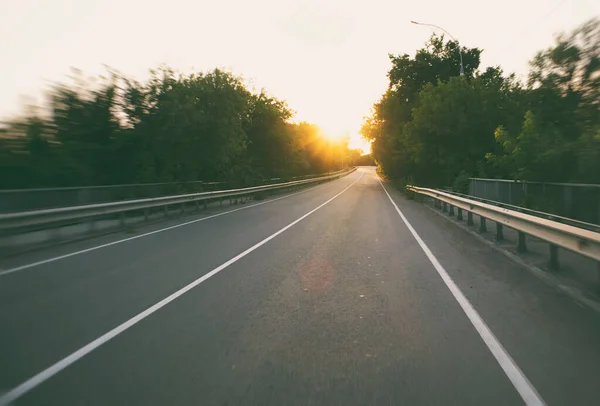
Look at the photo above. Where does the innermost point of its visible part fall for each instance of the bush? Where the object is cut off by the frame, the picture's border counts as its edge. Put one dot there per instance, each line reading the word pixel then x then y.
pixel 461 183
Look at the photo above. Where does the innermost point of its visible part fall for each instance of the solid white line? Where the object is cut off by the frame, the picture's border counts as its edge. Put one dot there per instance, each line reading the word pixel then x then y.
pixel 46 374
pixel 511 369
pixel 46 261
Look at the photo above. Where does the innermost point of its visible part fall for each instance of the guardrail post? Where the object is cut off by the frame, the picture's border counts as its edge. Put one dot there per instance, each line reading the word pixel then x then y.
pixel 146 213
pixel 482 225
pixel 445 207
pixel 197 205
pixel 451 212
pixel 499 232
pixel 122 219
pixel 182 208
pixel 522 244
pixel 205 203
pixel 166 210
pixel 469 218
pixel 460 215
pixel 554 257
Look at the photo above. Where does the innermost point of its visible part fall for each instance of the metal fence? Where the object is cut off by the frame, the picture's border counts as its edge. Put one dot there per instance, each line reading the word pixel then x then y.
pixel 577 201
pixel 16 200
pixel 27 221
pixel 49 198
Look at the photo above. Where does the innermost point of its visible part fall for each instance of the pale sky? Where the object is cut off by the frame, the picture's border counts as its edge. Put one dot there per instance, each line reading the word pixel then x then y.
pixel 327 59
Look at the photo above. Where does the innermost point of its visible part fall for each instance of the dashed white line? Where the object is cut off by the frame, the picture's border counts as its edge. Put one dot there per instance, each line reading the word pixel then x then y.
pixel 49 372
pixel 528 393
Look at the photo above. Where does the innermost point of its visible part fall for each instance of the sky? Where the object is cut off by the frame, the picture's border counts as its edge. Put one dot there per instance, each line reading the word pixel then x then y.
pixel 327 58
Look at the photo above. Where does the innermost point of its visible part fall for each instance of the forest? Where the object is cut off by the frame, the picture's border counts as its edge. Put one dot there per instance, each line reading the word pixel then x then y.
pixel 173 128
pixel 434 127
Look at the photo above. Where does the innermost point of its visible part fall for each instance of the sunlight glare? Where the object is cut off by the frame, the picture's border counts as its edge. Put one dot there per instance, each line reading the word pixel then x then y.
pixel 335 136
pixel 336 132
pixel 355 141
pixel 358 142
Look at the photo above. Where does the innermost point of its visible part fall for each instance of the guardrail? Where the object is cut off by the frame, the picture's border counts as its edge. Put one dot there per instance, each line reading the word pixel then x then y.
pixel 576 239
pixel 12 223
pixel 12 200
pixel 572 200
pixel 536 213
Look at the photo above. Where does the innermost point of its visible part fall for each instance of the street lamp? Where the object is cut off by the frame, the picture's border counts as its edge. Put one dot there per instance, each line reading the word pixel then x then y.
pixel 462 69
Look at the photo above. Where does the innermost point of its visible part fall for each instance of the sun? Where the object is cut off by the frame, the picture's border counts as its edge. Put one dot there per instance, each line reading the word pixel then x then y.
pixel 358 142
pixel 335 136
pixel 338 133
pixel 355 141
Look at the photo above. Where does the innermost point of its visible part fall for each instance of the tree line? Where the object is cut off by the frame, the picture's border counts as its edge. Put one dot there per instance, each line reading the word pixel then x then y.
pixel 433 127
pixel 173 128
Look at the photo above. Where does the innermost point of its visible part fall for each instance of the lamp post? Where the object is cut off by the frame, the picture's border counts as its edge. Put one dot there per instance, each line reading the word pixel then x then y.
pixel 462 68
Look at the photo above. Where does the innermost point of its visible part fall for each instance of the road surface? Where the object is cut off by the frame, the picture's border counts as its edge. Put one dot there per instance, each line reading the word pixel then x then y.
pixel 342 294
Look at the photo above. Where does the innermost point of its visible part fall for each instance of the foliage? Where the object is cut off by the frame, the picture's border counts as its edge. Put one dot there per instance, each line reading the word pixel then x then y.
pixel 435 128
pixel 361 160
pixel 202 126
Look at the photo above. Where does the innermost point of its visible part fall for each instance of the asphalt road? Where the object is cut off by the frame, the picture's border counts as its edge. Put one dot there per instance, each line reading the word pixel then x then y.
pixel 326 297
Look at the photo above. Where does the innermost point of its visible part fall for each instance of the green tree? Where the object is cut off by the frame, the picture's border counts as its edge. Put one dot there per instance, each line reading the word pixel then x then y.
pixel 397 143
pixel 270 142
pixel 558 136
pixel 175 127
pixel 436 129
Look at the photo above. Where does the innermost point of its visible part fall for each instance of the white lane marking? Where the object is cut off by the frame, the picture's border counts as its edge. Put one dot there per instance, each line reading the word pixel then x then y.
pixel 46 261
pixel 39 378
pixel 511 369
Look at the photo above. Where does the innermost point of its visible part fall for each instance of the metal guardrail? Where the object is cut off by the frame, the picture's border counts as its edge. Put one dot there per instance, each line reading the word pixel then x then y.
pixel 587 185
pixel 13 200
pixel 40 219
pixel 576 239
pixel 571 200
pixel 537 213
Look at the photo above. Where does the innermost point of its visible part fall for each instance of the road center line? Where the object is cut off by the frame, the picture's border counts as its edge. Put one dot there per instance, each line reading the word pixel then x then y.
pixel 53 259
pixel 511 369
pixel 49 372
